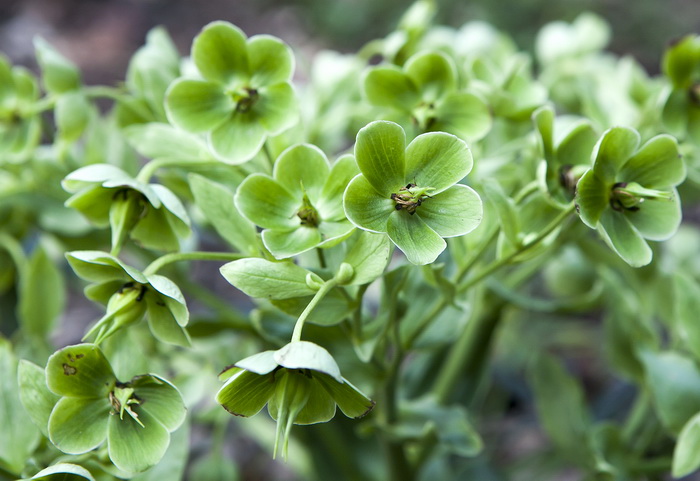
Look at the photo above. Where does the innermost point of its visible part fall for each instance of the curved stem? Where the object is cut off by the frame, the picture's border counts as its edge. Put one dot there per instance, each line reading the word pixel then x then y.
pixel 163 261
pixel 320 294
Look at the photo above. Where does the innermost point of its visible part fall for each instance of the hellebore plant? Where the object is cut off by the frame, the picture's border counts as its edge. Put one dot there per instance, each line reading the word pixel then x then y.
pixel 411 192
pixel 135 417
pixel 300 207
pixel 244 94
pixel 300 383
pixel 629 194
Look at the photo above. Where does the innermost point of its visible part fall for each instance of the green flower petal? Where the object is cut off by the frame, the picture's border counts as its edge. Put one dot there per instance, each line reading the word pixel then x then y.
pixel 658 219
pixel 302 168
pixel 421 244
pixel 220 53
pixel 78 425
pixel 614 148
pixel 260 363
pixel 364 207
pixel 277 108
pixel 271 61
pixel 246 393
pixel 390 87
pixel 464 115
pixel 197 105
pixel 592 198
pixel 675 112
pixel 238 139
pixel 307 355
pixel 656 165
pixel 154 231
pixel 320 407
pixel 350 400
pixel 284 244
pixel 80 371
pixel 134 448
pixel 623 238
pixel 163 324
pixel 437 160
pixel 454 212
pixel 98 266
pixel 94 174
pixel 160 399
pixel 380 154
pixel 433 73
pixel 330 205
pixel 266 203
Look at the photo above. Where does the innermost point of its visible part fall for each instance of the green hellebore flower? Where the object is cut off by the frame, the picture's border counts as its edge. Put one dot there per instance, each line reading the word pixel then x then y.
pixel 681 110
pixel 129 294
pixel 148 213
pixel 411 193
pixel 244 96
pixel 425 90
pixel 300 207
pixel 300 383
pixel 629 194
pixel 135 417
pixel 20 126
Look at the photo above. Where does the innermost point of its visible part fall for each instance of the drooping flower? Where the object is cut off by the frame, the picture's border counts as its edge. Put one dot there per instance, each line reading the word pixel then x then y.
pixel 629 194
pixel 681 110
pixel 411 192
pixel 135 417
pixel 300 384
pixel 300 207
pixel 244 94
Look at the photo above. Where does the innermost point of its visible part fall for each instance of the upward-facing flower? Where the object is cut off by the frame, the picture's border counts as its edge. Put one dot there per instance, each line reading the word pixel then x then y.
pixel 244 94
pixel 411 193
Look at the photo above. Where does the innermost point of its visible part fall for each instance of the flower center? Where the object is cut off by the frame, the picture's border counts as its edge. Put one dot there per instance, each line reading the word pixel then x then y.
pixel 409 198
pixel 307 213
pixel 245 99
pixel 629 195
pixel 122 398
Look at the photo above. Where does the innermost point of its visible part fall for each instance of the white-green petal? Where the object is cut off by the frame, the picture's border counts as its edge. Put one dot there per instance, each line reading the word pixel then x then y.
pixel 134 448
pixel 330 205
pixel 197 105
pixel 433 73
pixel 623 238
pixel 284 244
pixel 220 53
pixel 364 207
pixel 79 425
pixel 260 363
pixel 81 371
pixel 271 61
pixel 246 393
pixel 266 203
pixel 464 115
pixel 592 198
pixel 307 355
pixel 380 154
pixel 277 108
pixel 160 399
pixel 437 160
pixel 350 400
pixel 612 151
pixel 657 164
pixel 421 244
pixel 453 212
pixel 238 139
pixel 657 219
pixel 390 87
pixel 319 407
pixel 302 169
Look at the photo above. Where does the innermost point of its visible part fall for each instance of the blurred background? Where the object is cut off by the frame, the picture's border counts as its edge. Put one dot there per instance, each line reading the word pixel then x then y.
pixel 101 35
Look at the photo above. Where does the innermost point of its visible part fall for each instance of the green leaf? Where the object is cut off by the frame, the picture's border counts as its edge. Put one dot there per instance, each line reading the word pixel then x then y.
pixel 246 393
pixel 238 139
pixel 365 208
pixel 686 454
pixel 380 154
pixel 81 371
pixel 73 113
pixel 349 399
pixel 157 140
pixel 271 61
pixel 453 212
pixel 656 165
pixel 674 383
pixel 267 203
pixel 263 278
pixel 134 448
pixel 617 231
pixel 18 437
pixel 79 425
pixel 42 295
pixel 390 87
pixel 437 160
pixel 614 148
pixel 63 472
pixel 421 244
pixel 160 399
pixel 59 74
pixel 369 256
pixel 285 244
pixel 307 355
pixel 220 53
pixel 35 396
pixel 463 114
pixel 197 105
pixel 216 202
pixel 302 169
pixel 433 73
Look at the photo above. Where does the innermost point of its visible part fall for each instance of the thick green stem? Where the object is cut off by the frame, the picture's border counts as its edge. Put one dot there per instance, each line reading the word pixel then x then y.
pixel 161 262
pixel 320 294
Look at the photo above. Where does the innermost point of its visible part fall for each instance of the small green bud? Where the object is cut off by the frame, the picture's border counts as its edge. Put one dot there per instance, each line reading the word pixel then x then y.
pixel 345 273
pixel 127 208
pixel 629 196
pixel 125 307
pixel 314 281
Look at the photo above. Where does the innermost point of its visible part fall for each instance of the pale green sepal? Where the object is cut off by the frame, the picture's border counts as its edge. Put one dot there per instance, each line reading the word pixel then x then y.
pixel 158 140
pixel 260 363
pixel 238 139
pixel 63 472
pixel 463 114
pixel 197 105
pixel 164 325
pixel 364 207
pixel 686 454
pixel 592 198
pixel 277 109
pixel 246 393
pixel 657 219
pixel 656 165
pixel 267 203
pixel 433 73
pixel 79 425
pixel 58 73
pixel 453 212
pixel 81 371
pixel 612 151
pixel 623 238
pixel 160 399
pixel 285 244
pixel 307 355
pixel 302 169
pixel 388 86
pixel 220 53
pixel 380 154
pixel 91 174
pixel 134 448
pixel 330 204
pixel 349 399
pixel 271 61
pixel 437 160
pixel 421 244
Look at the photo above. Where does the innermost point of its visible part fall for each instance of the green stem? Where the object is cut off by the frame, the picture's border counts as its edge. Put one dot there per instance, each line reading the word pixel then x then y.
pixel 320 294
pixel 148 170
pixel 104 92
pixel 163 261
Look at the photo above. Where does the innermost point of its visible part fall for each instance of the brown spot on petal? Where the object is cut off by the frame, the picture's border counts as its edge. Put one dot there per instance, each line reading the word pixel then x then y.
pixel 69 370
pixel 79 356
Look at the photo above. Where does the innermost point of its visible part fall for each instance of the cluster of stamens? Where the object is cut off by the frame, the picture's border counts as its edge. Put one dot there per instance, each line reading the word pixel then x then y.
pixel 409 198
